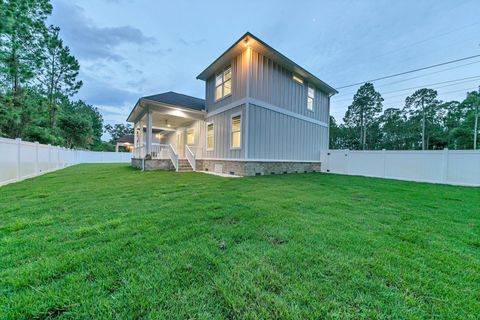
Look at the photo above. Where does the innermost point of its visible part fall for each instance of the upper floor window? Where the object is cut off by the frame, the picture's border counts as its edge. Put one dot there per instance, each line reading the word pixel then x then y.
pixel 190 136
pixel 236 135
pixel 310 98
pixel 223 83
pixel 210 136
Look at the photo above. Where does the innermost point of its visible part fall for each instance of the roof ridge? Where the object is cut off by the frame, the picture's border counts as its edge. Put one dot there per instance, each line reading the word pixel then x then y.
pixel 177 93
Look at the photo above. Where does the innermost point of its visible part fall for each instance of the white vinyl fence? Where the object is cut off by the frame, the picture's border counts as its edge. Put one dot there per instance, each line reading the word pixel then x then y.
pixel 457 167
pixel 21 160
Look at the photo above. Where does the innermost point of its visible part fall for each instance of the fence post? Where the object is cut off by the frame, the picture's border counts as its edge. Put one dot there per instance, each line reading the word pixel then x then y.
pixel 445 165
pixel 36 158
pixel 384 162
pixel 49 157
pixel 19 146
pixel 347 165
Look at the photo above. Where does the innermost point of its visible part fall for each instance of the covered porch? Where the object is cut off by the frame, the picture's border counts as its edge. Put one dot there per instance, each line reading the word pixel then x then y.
pixel 159 129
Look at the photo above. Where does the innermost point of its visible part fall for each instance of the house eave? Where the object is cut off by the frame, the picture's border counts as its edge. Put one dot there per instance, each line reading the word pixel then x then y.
pixel 263 48
pixel 139 109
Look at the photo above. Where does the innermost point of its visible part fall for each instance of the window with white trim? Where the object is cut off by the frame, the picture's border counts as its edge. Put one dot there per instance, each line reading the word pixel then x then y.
pixel 190 136
pixel 210 136
pixel 310 97
pixel 236 134
pixel 223 83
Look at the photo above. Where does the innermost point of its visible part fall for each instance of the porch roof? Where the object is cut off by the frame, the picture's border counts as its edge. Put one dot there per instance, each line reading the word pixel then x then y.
pixel 169 104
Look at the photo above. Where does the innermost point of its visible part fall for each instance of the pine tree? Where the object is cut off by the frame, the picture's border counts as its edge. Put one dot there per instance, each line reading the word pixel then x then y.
pixel 366 106
pixel 424 104
pixel 59 72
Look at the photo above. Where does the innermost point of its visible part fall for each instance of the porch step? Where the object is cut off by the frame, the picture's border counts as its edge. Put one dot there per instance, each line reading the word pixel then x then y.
pixel 184 166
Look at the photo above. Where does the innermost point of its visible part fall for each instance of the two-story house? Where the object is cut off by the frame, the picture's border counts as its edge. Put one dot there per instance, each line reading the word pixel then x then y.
pixel 262 114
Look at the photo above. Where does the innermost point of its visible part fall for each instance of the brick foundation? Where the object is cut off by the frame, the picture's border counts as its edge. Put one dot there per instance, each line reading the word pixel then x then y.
pixel 238 168
pixel 252 168
pixel 154 164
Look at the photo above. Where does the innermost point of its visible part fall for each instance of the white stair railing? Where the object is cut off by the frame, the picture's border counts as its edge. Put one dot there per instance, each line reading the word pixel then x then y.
pixel 173 156
pixel 190 157
pixel 160 151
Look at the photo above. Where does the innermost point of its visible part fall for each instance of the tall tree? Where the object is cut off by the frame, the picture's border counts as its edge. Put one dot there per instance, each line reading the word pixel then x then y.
pixel 472 108
pixel 59 72
pixel 23 26
pixel 423 103
pixel 118 130
pixel 80 124
pixel 392 124
pixel 366 106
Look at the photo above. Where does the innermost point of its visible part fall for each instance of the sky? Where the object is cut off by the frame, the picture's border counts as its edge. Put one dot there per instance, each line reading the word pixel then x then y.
pixel 133 48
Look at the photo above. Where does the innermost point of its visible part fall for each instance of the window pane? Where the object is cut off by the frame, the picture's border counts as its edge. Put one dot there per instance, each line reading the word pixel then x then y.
pixel 210 142
pixel 210 136
pixel 218 92
pixel 227 74
pixel 190 136
pixel 227 87
pixel 236 122
pixel 236 131
pixel 218 79
pixel 236 139
pixel 309 103
pixel 311 92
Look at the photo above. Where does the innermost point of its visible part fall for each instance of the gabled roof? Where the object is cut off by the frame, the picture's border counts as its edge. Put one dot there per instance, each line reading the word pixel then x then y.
pixel 258 45
pixel 171 99
pixel 128 138
pixel 178 99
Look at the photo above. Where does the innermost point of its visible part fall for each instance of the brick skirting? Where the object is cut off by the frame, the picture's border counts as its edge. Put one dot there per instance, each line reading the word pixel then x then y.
pixel 153 164
pixel 252 168
pixel 239 168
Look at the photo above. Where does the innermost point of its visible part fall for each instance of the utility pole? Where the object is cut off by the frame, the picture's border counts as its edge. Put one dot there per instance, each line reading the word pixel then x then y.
pixel 423 125
pixel 475 132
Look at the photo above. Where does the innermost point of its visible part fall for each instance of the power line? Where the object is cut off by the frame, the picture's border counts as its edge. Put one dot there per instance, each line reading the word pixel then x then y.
pixel 448 85
pixel 443 93
pixel 469 79
pixel 410 71
pixel 416 77
pixel 425 40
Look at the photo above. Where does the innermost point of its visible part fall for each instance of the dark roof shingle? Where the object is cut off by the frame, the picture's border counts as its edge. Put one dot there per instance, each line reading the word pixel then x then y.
pixel 126 138
pixel 178 99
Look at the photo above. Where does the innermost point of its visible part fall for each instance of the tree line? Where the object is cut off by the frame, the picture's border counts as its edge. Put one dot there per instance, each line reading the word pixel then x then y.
pixel 38 79
pixel 423 123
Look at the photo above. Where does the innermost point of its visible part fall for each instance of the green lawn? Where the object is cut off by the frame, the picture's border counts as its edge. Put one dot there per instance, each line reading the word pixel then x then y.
pixel 107 241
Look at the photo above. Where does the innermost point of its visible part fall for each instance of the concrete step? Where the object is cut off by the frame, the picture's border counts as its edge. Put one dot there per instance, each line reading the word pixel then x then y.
pixel 184 166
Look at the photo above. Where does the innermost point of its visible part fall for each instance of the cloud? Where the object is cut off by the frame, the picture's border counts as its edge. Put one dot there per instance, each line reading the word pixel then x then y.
pixel 98 92
pixel 89 41
pixel 192 42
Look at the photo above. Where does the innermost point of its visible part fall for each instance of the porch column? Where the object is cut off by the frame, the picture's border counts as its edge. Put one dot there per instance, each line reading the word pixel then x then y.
pixel 116 147
pixel 135 126
pixel 149 132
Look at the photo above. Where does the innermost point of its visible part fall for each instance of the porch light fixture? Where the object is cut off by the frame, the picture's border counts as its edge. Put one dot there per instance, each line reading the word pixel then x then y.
pixel 297 79
pixel 245 42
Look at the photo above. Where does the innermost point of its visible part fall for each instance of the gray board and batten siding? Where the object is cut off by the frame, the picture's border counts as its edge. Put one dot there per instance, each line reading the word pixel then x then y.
pixel 272 135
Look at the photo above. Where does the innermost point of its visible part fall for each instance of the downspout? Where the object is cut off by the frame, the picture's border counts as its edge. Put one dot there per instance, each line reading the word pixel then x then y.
pixel 247 105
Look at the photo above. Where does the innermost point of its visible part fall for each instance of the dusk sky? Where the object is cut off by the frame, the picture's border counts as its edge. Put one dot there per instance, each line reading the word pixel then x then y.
pixel 133 48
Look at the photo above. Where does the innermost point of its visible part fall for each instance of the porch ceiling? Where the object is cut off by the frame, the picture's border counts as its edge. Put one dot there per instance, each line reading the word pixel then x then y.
pixel 169 122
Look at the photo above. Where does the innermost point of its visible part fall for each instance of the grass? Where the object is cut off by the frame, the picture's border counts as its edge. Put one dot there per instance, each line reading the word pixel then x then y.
pixel 107 241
